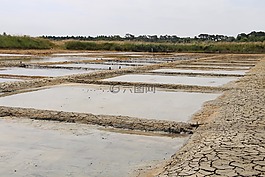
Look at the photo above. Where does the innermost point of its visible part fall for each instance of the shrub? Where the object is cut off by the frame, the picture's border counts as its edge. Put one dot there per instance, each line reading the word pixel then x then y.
pixel 24 42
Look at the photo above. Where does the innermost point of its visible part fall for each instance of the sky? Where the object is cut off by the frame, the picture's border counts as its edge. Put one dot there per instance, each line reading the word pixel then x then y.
pixel 139 17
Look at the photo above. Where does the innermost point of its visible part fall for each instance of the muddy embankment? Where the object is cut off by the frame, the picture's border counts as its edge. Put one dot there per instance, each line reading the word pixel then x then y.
pixel 10 64
pixel 122 122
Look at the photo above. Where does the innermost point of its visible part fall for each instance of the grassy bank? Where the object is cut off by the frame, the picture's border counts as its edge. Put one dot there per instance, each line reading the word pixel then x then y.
pixel 218 47
pixel 23 42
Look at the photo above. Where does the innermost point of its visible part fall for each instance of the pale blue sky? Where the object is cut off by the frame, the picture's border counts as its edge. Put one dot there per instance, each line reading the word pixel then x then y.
pixel 109 17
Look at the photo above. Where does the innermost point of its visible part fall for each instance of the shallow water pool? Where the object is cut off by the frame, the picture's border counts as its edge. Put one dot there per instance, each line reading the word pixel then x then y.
pixel 145 102
pixel 42 148
pixel 95 66
pixel 41 72
pixel 183 80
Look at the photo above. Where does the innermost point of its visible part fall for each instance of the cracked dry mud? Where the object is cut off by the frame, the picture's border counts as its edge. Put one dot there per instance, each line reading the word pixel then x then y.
pixel 233 142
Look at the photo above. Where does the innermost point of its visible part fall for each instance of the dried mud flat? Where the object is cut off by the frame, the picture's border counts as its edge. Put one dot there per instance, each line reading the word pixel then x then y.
pixel 232 143
pixel 227 134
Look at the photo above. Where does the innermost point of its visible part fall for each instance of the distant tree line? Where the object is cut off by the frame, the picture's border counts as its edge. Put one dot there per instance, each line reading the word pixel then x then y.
pixel 253 42
pixel 217 47
pixel 251 37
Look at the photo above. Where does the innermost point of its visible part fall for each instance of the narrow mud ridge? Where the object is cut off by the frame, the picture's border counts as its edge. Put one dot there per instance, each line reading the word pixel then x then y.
pixel 187 88
pixel 194 74
pixel 9 64
pixel 122 122
pixel 26 84
pixel 199 63
pixel 22 76
pixel 194 67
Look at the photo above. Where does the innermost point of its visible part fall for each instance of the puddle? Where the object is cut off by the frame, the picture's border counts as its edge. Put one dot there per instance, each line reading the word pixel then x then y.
pixel 183 80
pixel 8 80
pixel 41 148
pixel 41 72
pixel 153 103
pixel 239 72
pixel 93 66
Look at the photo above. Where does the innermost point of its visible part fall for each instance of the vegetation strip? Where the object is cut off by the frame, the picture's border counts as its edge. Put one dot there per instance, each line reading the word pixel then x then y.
pixel 168 47
pixel 204 43
pixel 24 42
